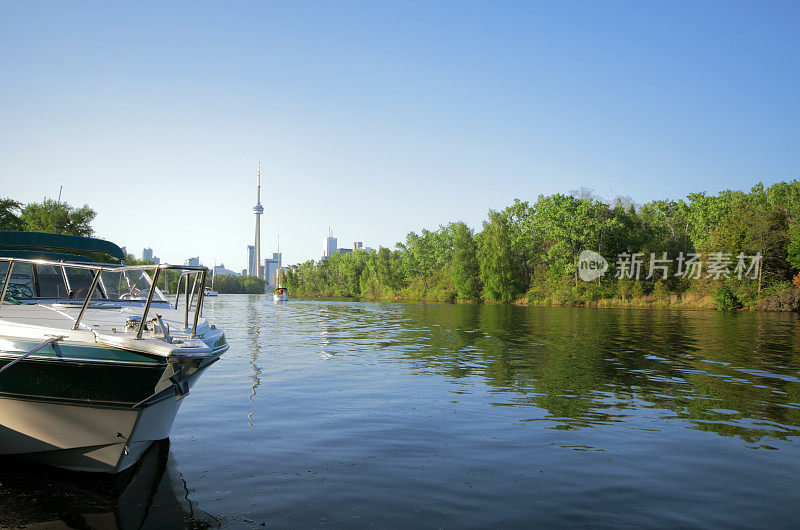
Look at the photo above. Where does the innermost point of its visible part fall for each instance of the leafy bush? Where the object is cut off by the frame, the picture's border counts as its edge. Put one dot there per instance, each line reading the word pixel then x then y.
pixel 660 291
pixel 637 290
pixel 745 291
pixel 787 300
pixel 725 298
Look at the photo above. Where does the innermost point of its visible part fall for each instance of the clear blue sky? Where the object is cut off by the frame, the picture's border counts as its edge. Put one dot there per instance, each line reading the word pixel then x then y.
pixel 377 118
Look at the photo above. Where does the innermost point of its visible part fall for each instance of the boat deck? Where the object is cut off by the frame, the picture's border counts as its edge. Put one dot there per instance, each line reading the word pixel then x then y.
pixel 105 324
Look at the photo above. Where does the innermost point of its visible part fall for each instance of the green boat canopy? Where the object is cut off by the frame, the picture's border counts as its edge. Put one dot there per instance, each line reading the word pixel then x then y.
pixel 43 254
pixel 33 245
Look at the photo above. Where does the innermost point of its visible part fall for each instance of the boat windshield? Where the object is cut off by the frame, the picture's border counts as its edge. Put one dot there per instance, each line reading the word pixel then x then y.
pixel 128 285
pixel 20 285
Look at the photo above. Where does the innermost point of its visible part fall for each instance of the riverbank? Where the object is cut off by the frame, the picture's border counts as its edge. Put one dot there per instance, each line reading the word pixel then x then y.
pixel 784 300
pixel 787 301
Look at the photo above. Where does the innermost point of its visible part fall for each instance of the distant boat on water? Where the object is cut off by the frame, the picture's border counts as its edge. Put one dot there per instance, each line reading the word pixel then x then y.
pixel 281 294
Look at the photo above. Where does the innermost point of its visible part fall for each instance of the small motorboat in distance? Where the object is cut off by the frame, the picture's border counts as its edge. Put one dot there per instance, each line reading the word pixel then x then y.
pixel 94 360
pixel 281 294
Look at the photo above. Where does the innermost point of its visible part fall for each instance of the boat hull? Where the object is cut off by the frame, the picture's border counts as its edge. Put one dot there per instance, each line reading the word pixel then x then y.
pixel 91 416
pixel 83 438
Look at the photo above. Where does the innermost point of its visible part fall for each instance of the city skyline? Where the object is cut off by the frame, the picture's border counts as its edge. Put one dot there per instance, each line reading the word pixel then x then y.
pixel 379 121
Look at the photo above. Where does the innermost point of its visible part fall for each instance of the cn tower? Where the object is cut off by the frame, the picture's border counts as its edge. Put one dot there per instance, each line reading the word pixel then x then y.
pixel 258 210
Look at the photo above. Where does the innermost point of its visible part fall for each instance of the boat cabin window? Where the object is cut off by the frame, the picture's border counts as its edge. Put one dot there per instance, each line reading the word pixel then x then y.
pixel 80 280
pixel 128 285
pixel 20 285
pixel 50 282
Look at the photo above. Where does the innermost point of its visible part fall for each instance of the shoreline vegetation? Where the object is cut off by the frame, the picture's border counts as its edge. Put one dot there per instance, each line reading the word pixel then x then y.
pixel 527 254
pixel 781 303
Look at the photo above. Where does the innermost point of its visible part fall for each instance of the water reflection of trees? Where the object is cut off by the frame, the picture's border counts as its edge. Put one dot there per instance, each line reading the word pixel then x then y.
pixel 733 374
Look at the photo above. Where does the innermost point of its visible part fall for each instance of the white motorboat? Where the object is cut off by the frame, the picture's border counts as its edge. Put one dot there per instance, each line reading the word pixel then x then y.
pixel 94 360
pixel 281 294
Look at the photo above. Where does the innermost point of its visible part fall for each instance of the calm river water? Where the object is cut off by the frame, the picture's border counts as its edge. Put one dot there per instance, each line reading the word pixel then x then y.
pixel 357 414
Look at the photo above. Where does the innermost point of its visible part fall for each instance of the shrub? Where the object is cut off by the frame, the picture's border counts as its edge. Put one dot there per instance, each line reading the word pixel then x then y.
pixel 745 291
pixel 725 298
pixel 787 300
pixel 623 289
pixel 660 291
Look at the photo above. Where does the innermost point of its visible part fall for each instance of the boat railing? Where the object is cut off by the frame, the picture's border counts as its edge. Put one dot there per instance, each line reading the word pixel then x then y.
pixel 198 272
pixel 189 295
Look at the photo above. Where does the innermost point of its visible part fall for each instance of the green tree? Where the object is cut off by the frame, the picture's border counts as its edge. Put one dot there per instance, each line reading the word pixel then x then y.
pixel 386 269
pixel 60 218
pixel 706 212
pixel 10 215
pixel 465 269
pixel 569 226
pixel 752 225
pixel 502 273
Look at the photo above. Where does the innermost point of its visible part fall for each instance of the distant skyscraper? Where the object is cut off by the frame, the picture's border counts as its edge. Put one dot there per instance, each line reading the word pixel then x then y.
pixel 271 267
pixel 258 210
pixel 251 260
pixel 192 262
pixel 329 245
pixel 147 254
pixel 358 245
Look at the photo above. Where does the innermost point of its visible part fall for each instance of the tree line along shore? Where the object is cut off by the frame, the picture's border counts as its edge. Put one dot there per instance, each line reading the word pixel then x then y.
pixel 529 254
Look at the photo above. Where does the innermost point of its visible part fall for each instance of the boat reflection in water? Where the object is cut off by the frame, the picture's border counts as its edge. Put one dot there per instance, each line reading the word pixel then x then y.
pixel 151 494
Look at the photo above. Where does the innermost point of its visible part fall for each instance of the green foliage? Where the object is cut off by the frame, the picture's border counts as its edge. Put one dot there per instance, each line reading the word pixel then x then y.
pixel 725 298
pixel 10 215
pixel 660 290
pixel 465 269
pixel 753 225
pixel 529 252
pixel 130 259
pixel 60 218
pixel 568 226
pixel 637 289
pixel 501 269
pixel 230 284
pixel 793 249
